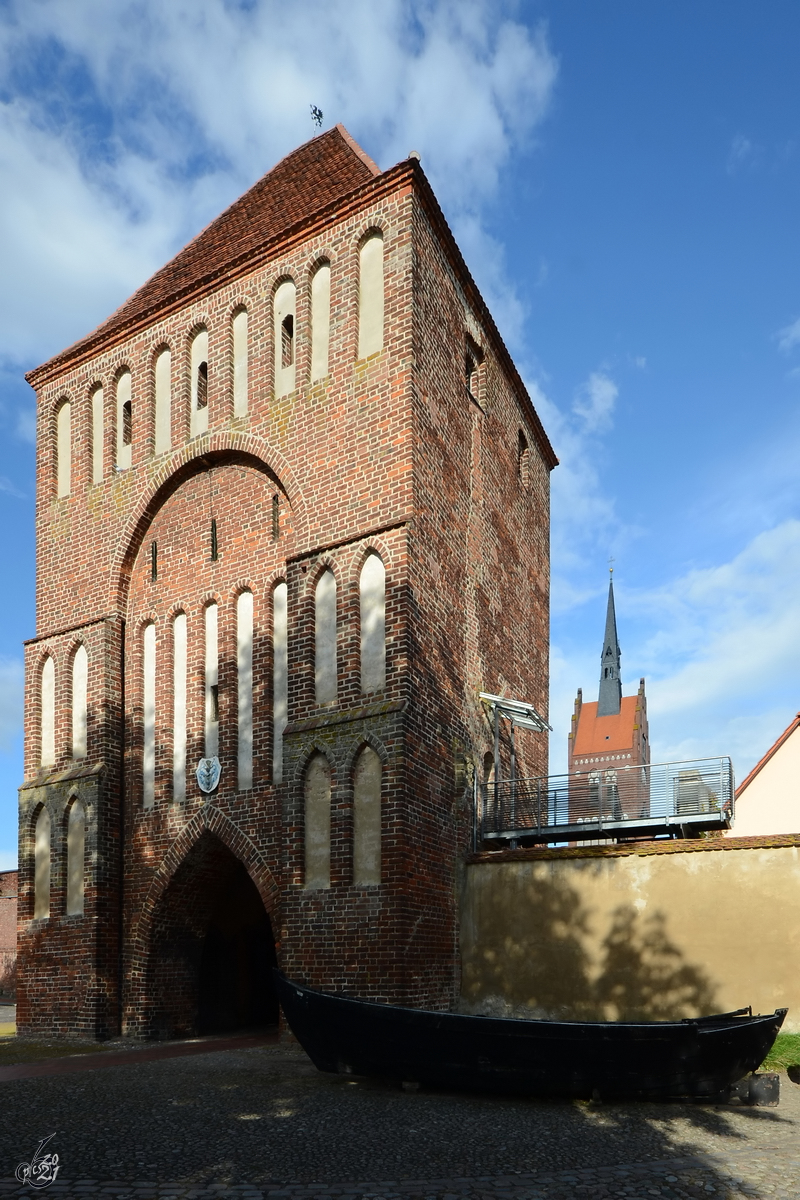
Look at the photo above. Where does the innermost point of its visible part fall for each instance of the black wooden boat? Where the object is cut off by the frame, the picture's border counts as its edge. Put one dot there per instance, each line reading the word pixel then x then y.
pixel 645 1060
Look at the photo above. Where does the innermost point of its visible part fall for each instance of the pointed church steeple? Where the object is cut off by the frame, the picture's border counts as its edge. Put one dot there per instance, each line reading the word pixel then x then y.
pixel 608 702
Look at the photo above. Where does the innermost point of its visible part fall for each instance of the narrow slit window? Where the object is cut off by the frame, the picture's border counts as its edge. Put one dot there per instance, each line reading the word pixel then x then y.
pixel 48 701
pixel 325 638
pixel 127 423
pixel 202 385
pixel 320 321
pixel 163 402
pixel 154 562
pixel 214 543
pixel 276 517
pixel 372 590
pixel 367 819
pixel 318 823
pixel 287 342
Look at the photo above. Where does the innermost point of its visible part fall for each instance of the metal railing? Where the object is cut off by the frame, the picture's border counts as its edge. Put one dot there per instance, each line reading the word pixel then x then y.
pixel 680 799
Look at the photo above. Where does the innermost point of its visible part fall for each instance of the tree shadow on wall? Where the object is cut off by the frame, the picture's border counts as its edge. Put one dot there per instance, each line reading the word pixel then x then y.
pixel 534 960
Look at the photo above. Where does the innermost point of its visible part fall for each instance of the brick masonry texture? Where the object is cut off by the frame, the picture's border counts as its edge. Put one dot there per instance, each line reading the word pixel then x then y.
pixel 391 454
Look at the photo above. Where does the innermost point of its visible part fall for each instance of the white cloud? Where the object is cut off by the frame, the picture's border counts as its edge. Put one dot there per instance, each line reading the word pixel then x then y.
pixel 179 107
pixel 740 153
pixel 789 336
pixel 595 401
pixel 11 700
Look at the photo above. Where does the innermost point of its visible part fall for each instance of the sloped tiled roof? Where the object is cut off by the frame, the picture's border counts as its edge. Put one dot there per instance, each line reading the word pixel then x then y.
pixel 600 735
pixel 317 174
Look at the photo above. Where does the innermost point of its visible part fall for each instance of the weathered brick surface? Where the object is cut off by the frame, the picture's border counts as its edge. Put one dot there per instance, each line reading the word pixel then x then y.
pixel 389 454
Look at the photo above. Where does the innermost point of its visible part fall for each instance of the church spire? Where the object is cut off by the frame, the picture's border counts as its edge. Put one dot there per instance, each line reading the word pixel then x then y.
pixel 610 683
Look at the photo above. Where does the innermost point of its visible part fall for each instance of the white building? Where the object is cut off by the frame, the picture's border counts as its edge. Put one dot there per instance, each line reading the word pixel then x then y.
pixel 768 800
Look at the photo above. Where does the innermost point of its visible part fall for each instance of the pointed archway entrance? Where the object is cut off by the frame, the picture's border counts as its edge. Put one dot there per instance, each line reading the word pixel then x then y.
pixel 212 948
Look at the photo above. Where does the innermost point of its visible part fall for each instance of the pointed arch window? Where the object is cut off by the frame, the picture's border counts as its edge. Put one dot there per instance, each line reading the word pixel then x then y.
pixel 198 422
pixel 240 364
pixel 80 683
pixel 41 866
pixel 372 593
pixel 47 687
pixel 318 823
pixel 280 677
pixel 98 435
pixel 124 421
pixel 285 305
pixel 367 819
pixel 76 848
pixel 370 296
pixel 325 638
pixel 64 449
pixel 523 460
pixel 149 716
pixel 320 321
pixel 162 383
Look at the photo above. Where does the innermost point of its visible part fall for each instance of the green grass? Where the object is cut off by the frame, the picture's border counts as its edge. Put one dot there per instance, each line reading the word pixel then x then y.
pixel 785 1053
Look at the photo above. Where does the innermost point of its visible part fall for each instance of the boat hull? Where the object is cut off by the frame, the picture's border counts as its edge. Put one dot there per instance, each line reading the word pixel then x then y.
pixel 649 1060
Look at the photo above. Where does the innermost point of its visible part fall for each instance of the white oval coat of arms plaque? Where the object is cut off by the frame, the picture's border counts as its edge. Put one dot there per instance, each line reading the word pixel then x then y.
pixel 208 773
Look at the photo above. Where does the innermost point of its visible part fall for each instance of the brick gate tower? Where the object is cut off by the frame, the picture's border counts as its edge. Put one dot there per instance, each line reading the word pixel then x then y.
pixel 292 518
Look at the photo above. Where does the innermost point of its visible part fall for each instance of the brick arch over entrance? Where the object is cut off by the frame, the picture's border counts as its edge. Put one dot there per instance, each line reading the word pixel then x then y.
pixel 215 842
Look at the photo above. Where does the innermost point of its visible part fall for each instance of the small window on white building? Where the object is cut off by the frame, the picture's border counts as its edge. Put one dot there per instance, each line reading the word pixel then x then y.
pixel 240 365
pixel 285 302
pixel 76 850
pixel 370 296
pixel 162 383
pixel 320 321
pixel 198 422
pixel 80 680
pixel 325 638
pixel 64 449
pixel 124 421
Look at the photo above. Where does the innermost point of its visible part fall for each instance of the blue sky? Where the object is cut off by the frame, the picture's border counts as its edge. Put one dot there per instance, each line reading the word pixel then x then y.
pixel 623 179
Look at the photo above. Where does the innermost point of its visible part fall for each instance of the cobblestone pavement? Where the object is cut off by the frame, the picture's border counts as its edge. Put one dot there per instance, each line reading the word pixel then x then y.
pixel 261 1122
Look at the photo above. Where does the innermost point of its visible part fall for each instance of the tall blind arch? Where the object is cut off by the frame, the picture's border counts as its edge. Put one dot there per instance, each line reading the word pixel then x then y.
pixel 318 823
pixel 367 819
pixel 76 846
pixel 280 677
pixel 64 449
pixel 124 448
pixel 41 866
pixel 372 594
pixel 244 671
pixel 325 638
pixel 162 383
pixel 98 435
pixel 80 683
pixel 198 421
pixel 320 321
pixel 149 717
pixel 48 703
pixel 240 364
pixel 370 296
pixel 179 708
pixel 285 316
pixel 212 679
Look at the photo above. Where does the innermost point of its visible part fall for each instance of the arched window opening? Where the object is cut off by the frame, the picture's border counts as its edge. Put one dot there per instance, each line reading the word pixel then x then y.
pixel 320 321
pixel 372 589
pixel 124 421
pixel 325 638
pixel 244 672
pixel 471 373
pixel 179 658
pixel 41 866
pixel 97 435
pixel 199 399
pixel 48 701
pixel 367 819
pixel 239 326
pixel 318 823
pixel 80 681
pixel 370 296
pixel 76 848
pixel 287 342
pixel 162 383
pixel 280 677
pixel 212 683
pixel 285 301
pixel 64 449
pixel 523 460
pixel 149 716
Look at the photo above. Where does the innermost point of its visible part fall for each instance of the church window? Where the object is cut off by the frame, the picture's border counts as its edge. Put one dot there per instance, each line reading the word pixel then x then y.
pixel 163 402
pixel 198 420
pixel 372 589
pixel 239 327
pixel 124 421
pixel 214 542
pixel 325 638
pixel 276 517
pixel 367 819
pixel 64 449
pixel 153 562
pixel 320 321
pixel 473 361
pixel 41 866
pixel 179 659
pixel 149 716
pixel 244 672
pixel 370 296
pixel 318 823
pixel 48 698
pixel 76 849
pixel 285 300
pixel 80 680
pixel 97 435
pixel 212 684
pixel 523 460
pixel 280 677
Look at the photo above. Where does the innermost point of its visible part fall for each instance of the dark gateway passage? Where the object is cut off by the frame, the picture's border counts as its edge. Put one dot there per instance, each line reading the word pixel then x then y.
pixel 213 949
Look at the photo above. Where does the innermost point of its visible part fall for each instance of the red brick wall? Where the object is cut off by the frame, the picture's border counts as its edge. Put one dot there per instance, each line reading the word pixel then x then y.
pixel 387 454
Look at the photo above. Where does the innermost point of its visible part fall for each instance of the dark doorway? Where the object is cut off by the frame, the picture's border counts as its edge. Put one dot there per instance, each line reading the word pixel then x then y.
pixel 213 949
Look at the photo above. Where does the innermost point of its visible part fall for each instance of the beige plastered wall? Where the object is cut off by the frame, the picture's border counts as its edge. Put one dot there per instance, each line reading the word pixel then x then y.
pixel 659 933
pixel 771 801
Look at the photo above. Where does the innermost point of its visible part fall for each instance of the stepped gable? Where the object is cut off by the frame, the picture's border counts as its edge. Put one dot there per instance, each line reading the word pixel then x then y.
pixel 305 182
